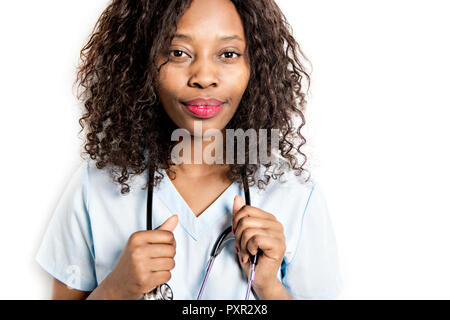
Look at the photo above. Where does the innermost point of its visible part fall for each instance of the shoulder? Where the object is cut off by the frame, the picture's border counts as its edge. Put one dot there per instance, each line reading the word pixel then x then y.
pixel 104 180
pixel 291 186
pixel 289 198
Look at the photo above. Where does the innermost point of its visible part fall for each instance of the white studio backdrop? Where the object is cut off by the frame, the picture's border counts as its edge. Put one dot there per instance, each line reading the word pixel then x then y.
pixel 377 135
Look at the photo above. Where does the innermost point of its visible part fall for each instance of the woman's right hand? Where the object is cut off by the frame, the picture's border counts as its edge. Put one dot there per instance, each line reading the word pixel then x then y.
pixel 144 263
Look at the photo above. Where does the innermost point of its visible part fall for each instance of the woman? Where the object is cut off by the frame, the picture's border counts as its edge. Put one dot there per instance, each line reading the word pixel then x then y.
pixel 146 72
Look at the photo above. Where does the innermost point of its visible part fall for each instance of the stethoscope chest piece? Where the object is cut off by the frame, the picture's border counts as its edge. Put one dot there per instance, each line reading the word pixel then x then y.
pixel 161 292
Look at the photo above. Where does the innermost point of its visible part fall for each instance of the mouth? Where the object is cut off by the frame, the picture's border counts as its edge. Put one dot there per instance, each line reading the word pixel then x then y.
pixel 203 111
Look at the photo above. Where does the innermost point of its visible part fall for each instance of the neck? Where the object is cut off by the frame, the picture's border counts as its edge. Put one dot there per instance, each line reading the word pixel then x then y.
pixel 197 167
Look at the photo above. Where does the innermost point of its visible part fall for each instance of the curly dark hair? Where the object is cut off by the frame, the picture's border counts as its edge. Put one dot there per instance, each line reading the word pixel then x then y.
pixel 117 76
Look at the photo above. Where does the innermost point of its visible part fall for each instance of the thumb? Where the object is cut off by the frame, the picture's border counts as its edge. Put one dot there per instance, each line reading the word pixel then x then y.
pixel 169 224
pixel 238 203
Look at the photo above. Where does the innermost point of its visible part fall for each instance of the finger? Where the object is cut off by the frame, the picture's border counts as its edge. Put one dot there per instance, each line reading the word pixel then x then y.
pixel 169 224
pixel 253 212
pixel 272 247
pixel 160 251
pixel 247 235
pixel 152 236
pixel 238 203
pixel 162 264
pixel 161 277
pixel 258 223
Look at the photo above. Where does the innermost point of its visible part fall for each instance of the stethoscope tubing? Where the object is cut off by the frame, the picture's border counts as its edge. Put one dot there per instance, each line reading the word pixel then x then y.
pixel 224 237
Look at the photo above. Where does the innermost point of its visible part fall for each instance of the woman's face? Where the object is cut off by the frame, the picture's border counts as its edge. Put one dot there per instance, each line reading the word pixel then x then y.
pixel 208 60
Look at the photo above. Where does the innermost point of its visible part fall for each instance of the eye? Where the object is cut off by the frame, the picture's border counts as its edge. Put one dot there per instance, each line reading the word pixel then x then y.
pixel 177 53
pixel 231 52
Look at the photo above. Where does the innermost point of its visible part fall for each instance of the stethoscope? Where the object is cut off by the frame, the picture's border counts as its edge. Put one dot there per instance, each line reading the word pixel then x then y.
pixel 163 291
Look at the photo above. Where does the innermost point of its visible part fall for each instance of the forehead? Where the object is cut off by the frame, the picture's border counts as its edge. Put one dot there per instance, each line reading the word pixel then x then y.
pixel 211 19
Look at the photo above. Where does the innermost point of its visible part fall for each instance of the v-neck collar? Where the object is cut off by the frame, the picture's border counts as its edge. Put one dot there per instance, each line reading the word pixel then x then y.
pixel 196 226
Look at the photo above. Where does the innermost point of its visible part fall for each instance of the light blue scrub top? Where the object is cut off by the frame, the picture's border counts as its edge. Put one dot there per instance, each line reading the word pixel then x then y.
pixel 93 221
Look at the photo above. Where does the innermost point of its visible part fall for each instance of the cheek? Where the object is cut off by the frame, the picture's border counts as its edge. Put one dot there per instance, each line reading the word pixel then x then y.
pixel 240 82
pixel 168 83
pixel 163 79
pixel 242 85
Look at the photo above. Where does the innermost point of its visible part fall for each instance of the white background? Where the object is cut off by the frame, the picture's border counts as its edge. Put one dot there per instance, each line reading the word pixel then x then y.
pixel 377 130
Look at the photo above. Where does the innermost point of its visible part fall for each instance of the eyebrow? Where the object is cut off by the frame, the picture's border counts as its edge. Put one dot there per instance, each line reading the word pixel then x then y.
pixel 226 38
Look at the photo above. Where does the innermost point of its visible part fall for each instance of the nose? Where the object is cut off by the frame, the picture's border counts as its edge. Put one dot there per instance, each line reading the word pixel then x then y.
pixel 203 73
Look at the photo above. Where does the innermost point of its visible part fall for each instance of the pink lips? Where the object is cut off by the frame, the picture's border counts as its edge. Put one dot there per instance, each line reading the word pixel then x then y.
pixel 203 108
pixel 203 111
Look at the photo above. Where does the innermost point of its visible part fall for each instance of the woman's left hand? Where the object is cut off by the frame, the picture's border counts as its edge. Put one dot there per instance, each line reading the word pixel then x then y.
pixel 253 229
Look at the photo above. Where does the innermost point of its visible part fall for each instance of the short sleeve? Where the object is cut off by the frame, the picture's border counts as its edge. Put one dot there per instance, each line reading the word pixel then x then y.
pixel 66 251
pixel 314 272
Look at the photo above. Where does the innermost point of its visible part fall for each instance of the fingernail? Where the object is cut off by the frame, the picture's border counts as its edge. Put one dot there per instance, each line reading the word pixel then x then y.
pixel 237 249
pixel 242 259
pixel 232 230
